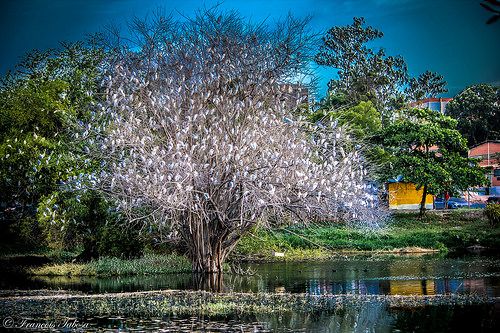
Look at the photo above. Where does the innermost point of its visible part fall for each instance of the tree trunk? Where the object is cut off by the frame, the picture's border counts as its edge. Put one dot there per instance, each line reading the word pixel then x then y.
pixel 207 260
pixel 422 203
pixel 210 239
pixel 208 244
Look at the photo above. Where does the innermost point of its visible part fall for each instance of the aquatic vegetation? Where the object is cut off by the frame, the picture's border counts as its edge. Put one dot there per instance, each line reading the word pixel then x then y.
pixel 158 303
pixel 149 264
pixel 61 269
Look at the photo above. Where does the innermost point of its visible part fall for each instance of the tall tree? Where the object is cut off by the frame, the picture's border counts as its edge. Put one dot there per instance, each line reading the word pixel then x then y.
pixel 427 150
pixel 477 110
pixel 38 104
pixel 426 85
pixel 363 72
pixel 204 141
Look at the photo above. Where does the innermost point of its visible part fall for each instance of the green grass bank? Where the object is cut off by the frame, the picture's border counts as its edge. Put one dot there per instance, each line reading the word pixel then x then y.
pixel 404 232
pixel 148 265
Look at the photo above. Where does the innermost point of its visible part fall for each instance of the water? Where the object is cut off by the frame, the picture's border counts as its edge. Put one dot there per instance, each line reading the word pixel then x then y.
pixel 386 275
pixel 370 317
pixel 367 275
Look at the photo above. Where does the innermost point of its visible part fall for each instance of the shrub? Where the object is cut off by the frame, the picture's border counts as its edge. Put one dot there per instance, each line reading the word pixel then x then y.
pixel 86 220
pixel 492 212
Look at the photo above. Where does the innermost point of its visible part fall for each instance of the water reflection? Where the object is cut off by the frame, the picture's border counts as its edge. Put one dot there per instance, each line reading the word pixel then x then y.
pixel 482 286
pixel 387 276
pixel 367 317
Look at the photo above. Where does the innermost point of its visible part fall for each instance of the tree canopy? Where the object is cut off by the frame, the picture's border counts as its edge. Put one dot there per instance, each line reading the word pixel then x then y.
pixel 39 103
pixel 366 73
pixel 426 85
pixel 205 143
pixel 477 110
pixel 429 151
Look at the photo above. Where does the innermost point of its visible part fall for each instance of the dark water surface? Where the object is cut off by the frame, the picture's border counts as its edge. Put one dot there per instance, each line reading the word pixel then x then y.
pixel 375 275
pixel 380 275
pixel 368 317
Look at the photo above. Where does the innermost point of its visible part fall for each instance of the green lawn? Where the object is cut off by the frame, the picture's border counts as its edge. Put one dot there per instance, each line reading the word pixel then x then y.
pixel 441 231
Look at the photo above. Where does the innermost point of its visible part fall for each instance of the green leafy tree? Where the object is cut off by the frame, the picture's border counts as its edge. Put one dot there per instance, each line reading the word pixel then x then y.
pixel 363 122
pixel 477 110
pixel 363 119
pixel 426 85
pixel 364 73
pixel 369 74
pixel 87 220
pixel 427 150
pixel 39 103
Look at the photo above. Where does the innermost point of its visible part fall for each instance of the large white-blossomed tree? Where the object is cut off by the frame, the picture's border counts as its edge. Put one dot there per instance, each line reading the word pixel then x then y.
pixel 203 140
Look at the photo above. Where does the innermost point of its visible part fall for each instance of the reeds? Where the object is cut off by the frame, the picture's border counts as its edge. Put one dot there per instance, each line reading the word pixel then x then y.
pixel 149 264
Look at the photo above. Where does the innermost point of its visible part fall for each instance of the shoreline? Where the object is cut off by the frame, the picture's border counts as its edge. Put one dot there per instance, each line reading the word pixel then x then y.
pixel 303 255
pixel 326 254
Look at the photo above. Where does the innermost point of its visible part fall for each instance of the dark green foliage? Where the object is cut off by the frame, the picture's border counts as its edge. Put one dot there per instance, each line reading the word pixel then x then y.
pixel 116 240
pixel 428 151
pixel 364 73
pixel 477 110
pixel 492 212
pixel 87 221
pixel 426 85
pixel 20 235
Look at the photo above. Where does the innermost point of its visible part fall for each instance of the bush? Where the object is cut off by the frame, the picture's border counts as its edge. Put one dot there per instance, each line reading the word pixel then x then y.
pixel 492 212
pixel 119 240
pixel 20 234
pixel 87 221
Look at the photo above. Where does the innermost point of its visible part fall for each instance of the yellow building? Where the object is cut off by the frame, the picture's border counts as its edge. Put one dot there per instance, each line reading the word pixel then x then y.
pixel 406 196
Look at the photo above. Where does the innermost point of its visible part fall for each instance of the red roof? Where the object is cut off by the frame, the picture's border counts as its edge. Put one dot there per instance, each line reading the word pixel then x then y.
pixel 433 99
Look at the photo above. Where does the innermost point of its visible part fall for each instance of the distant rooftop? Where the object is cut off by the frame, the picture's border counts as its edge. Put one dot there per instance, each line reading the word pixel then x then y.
pixel 435 103
pixel 484 142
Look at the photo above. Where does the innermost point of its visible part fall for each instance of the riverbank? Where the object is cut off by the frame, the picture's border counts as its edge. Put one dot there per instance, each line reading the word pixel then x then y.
pixel 405 232
pixel 148 265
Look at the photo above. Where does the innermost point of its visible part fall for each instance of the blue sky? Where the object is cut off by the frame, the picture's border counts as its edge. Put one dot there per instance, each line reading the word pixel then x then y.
pixel 448 36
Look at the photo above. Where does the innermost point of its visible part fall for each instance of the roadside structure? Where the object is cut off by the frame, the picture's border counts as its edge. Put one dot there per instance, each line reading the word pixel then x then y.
pixel 405 196
pixel 488 154
pixel 435 104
